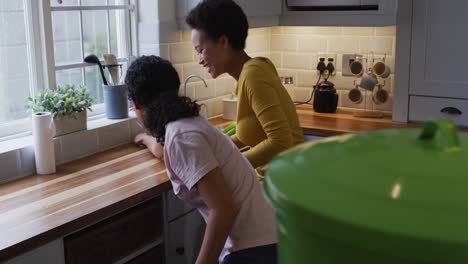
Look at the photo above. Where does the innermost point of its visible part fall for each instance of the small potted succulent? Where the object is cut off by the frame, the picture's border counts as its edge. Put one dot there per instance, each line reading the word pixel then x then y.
pixel 68 106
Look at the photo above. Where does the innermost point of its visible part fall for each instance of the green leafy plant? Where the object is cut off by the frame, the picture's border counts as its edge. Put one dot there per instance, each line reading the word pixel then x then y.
pixel 64 101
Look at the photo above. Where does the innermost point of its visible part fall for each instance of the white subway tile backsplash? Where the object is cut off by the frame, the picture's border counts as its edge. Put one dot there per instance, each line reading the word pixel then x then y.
pixel 27 161
pixel 383 45
pixel 216 106
pixel 259 31
pixel 9 165
pixel 225 85
pixel 306 78
pixel 180 71
pixel 164 51
pixel 288 73
pixel 297 61
pixel 301 94
pixel 385 31
pixel 186 36
pixel 181 53
pixel 283 43
pixel 312 44
pixel 260 54
pixel 342 82
pixel 257 44
pixel 113 135
pixel 202 92
pixel 359 31
pixel 79 144
pixel 276 58
pixel 312 30
pixel 276 30
pixel 192 68
pixel 343 44
pixel 58 150
pixel 189 90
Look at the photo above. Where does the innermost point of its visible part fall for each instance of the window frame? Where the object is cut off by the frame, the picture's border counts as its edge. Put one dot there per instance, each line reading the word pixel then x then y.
pixel 41 57
pixel 98 109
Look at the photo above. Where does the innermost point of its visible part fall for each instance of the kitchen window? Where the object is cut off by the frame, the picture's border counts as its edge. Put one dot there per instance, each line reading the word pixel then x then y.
pixel 83 27
pixel 17 73
pixel 43 44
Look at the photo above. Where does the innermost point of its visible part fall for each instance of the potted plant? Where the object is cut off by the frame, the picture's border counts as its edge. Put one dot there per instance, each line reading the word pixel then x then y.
pixel 68 106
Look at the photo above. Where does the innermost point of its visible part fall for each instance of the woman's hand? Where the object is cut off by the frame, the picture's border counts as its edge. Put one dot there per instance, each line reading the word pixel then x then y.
pixel 150 142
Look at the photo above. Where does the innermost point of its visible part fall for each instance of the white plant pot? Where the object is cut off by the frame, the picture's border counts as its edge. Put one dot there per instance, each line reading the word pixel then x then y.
pixel 68 124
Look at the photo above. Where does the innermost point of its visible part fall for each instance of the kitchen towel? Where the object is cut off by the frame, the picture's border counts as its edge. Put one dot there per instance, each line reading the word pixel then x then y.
pixel 42 128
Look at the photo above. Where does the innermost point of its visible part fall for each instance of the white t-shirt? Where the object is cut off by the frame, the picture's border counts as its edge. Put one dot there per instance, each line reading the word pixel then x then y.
pixel 193 147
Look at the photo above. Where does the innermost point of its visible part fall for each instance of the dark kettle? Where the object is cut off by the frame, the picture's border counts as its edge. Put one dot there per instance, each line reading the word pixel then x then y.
pixel 325 98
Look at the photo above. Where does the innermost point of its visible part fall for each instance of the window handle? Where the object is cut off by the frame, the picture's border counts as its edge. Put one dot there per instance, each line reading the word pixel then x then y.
pixel 451 110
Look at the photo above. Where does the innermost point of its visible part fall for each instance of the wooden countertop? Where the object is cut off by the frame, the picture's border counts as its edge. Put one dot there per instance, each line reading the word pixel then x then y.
pixel 38 209
pixel 341 122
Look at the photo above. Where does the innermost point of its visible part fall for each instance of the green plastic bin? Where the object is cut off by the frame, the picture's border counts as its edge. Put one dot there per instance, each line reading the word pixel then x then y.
pixel 391 196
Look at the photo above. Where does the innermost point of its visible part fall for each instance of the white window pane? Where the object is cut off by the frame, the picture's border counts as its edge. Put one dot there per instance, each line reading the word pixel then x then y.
pixel 93 2
pixel 118 2
pixel 95 33
pixel 72 77
pixel 66 33
pixel 94 83
pixel 63 2
pixel 14 65
pixel 117 24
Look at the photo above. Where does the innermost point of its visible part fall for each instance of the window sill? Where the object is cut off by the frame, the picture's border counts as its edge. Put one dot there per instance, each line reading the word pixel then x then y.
pixel 27 140
pixel 102 134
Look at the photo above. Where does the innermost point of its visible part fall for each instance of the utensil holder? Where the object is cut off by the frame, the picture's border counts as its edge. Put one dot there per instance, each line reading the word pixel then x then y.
pixel 115 101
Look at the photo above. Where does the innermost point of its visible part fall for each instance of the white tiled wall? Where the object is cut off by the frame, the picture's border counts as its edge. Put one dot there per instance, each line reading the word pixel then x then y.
pixel 182 54
pixel 294 51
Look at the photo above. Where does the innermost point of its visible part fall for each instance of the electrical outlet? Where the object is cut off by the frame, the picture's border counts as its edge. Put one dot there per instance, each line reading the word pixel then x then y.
pixel 329 57
pixel 347 60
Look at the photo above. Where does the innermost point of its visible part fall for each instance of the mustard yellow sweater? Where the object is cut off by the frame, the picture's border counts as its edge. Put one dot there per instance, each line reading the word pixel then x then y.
pixel 266 115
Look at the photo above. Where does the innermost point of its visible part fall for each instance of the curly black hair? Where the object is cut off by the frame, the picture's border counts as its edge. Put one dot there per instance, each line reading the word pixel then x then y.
pixel 216 18
pixel 153 84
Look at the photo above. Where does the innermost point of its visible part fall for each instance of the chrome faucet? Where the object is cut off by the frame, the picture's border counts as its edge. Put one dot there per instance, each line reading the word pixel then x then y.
pixel 190 77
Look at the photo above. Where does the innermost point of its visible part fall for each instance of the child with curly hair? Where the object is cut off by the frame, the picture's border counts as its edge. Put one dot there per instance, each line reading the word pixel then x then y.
pixel 205 167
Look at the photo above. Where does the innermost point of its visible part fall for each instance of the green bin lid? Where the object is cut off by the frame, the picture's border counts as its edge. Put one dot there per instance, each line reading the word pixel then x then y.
pixel 402 191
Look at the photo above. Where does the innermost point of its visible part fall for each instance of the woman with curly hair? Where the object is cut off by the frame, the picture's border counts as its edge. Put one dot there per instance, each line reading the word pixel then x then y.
pixel 267 121
pixel 205 167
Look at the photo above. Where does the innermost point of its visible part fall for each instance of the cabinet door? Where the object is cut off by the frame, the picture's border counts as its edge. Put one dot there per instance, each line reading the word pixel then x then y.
pixel 260 7
pixel 318 13
pixel 184 238
pixel 260 13
pixel 438 50
pixel 116 237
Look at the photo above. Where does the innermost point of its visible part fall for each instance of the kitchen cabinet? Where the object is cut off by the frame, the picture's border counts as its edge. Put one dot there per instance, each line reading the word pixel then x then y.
pixel 438 80
pixel 260 13
pixel 184 232
pixel 137 229
pixel 338 13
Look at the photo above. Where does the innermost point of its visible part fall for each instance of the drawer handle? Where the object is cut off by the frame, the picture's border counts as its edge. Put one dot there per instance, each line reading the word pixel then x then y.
pixel 180 250
pixel 451 110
